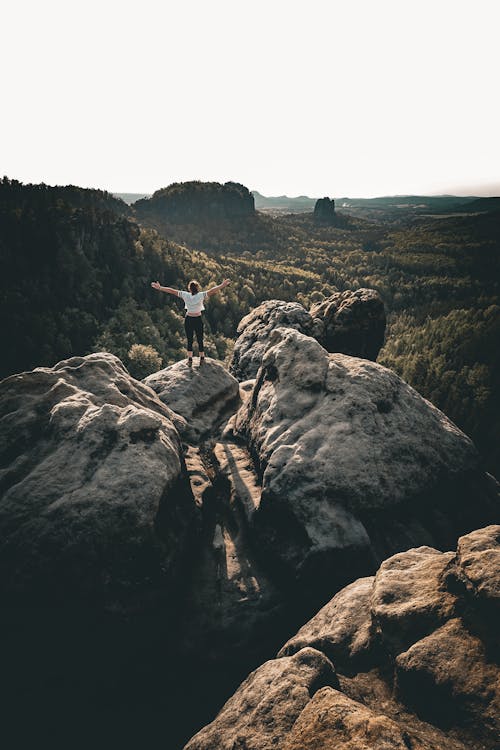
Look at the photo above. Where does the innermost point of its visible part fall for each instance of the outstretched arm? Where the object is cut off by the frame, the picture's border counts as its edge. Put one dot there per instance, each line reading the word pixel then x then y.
pixel 216 289
pixel 156 285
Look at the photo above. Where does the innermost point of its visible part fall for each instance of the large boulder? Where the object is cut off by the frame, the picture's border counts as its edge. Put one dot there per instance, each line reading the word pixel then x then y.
pixel 256 328
pixel 264 708
pixel 437 685
pixel 353 322
pixel 203 395
pixel 94 503
pixel 355 465
pixel 333 720
pixel 346 322
pixel 343 629
pixel 449 678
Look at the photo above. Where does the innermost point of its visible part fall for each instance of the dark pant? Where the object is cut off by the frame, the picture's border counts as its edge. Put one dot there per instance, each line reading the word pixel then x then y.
pixel 194 325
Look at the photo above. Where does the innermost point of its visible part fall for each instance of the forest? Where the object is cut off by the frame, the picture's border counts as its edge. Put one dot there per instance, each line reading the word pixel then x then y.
pixel 76 267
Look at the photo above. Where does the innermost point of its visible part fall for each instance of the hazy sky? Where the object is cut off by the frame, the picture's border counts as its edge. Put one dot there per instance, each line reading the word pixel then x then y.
pixel 320 97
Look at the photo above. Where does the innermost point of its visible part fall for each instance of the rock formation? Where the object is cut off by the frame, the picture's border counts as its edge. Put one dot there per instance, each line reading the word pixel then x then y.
pixel 353 323
pixel 350 322
pixel 355 465
pixel 94 504
pixel 192 202
pixel 324 211
pixel 146 522
pixel 255 329
pixel 203 396
pixel 407 663
pixel 263 711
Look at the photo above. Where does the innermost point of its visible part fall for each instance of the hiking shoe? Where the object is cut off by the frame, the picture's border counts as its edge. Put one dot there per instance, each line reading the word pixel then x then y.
pixel 190 362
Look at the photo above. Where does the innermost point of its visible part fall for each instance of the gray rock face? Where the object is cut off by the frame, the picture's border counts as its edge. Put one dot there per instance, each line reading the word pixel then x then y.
pixel 265 707
pixel 93 504
pixel 353 322
pixel 346 450
pixel 346 322
pixel 446 665
pixel 203 395
pixel 256 328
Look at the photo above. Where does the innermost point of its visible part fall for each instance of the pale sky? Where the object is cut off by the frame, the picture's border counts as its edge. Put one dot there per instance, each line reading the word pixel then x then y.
pixel 360 98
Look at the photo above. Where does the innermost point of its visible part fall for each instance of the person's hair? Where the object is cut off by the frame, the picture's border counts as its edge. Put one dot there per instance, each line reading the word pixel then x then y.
pixel 194 287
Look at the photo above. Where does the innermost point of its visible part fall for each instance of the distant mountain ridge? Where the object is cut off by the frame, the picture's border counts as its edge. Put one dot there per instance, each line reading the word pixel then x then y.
pixel 283 203
pixel 303 203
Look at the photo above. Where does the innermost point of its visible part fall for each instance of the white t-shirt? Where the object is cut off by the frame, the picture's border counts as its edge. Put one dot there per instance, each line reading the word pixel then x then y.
pixel 193 302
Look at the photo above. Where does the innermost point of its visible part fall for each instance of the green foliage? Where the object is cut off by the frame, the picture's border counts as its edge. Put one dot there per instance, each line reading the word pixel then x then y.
pixel 454 361
pixel 142 361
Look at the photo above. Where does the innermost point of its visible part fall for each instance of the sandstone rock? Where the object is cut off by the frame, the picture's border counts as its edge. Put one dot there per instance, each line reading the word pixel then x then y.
pixel 448 679
pixel 354 464
pixel 256 328
pixel 409 597
pixel 478 558
pixel 197 473
pixel 266 705
pixel 94 503
pixel 236 464
pixel 343 629
pixel 346 322
pixel 202 395
pixel 324 211
pixel 353 322
pixel 332 720
pixel 444 694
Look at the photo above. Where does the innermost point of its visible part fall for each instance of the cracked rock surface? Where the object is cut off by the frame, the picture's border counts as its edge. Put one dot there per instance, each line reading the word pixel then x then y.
pixel 434 687
pixel 355 464
pixel 94 503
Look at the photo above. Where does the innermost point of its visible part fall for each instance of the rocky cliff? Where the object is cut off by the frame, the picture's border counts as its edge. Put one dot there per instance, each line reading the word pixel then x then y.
pixel 192 202
pixel 407 658
pixel 195 521
pixel 324 211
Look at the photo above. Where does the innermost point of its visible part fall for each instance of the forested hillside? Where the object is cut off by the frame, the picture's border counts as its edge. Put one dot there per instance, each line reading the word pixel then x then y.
pixel 76 267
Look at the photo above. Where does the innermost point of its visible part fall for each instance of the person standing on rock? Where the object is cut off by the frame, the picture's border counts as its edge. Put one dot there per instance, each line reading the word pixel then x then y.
pixel 193 303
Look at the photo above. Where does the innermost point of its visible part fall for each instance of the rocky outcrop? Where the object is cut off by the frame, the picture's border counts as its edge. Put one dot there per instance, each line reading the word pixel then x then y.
pixel 333 720
pixel 195 560
pixel 347 322
pixel 355 466
pixel 202 395
pixel 263 710
pixel 256 328
pixel 353 322
pixel 94 504
pixel 324 211
pixel 436 685
pixel 193 202
pixel 342 629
